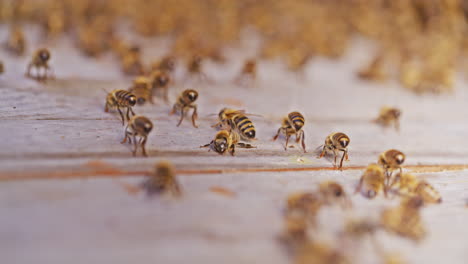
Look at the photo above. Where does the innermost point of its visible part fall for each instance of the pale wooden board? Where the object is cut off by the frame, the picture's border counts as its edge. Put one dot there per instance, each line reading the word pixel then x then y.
pixel 60 129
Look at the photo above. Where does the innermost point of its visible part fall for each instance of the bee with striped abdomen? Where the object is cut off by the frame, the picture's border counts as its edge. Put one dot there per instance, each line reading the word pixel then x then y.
pixel 16 42
pixel 336 142
pixel 226 141
pixel 372 181
pixel 184 103
pixel 138 126
pixel 292 125
pixel 162 180
pixel 391 160
pixel 141 88
pixel 121 99
pixel 236 120
pixel 40 61
pixel 389 116
pixel 160 81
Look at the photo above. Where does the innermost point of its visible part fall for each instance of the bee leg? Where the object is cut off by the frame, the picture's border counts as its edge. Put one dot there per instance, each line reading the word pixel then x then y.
pixel 28 70
pixel 287 140
pixel 303 141
pixel 232 149
pixel 128 113
pixel 143 144
pixel 217 124
pixel 345 154
pixel 106 108
pixel 206 145
pixel 245 145
pixel 135 145
pixel 322 153
pixel 182 114
pixel 121 115
pixel 126 136
pixel 277 133
pixel 131 111
pixel 174 109
pixel 194 115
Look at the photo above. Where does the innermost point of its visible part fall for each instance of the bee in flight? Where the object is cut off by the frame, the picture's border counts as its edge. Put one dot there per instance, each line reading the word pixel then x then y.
pixel 389 116
pixel 391 160
pixel 226 141
pixel 40 61
pixel 292 125
pixel 141 88
pixel 372 181
pixel 184 103
pixel 138 126
pixel 118 99
pixel 336 142
pixel 236 120
pixel 162 180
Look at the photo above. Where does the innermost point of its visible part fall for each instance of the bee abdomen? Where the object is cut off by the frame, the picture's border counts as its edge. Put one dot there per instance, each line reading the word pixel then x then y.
pixel 244 125
pixel 122 97
pixel 338 136
pixel 297 119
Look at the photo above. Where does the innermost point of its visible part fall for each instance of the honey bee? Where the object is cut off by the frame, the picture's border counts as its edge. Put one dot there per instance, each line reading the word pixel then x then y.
pixel 332 192
pixel 408 184
pixel 391 160
pixel 141 88
pixel 405 220
pixel 372 181
pixel 131 61
pixel 194 67
pixel 160 81
pixel 336 142
pixel 304 203
pixel 40 61
pixel 139 126
pixel 118 99
pixel 389 116
pixel 318 253
pixel 292 125
pixel 428 193
pixel 16 42
pixel 374 71
pixel 184 103
pixel 238 121
pixel 248 73
pixel 226 141
pixel 162 180
pixel 166 64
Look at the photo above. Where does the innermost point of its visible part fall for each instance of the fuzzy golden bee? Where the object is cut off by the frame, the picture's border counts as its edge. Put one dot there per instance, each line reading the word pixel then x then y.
pixel 292 125
pixel 131 61
pixel 184 103
pixel 391 160
pixel 332 192
pixel 304 203
pixel 372 181
pixel 40 61
pixel 160 82
pixel 389 116
pixel 405 219
pixel 141 88
pixel 336 142
pixel 226 141
pixel 138 126
pixel 238 121
pixel 121 99
pixel 162 180
pixel 16 42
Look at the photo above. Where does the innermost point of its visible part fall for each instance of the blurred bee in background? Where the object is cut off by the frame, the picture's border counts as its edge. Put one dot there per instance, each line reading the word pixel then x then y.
pixel 391 160
pixel 166 64
pixel 292 125
pixel 294 234
pixel 389 116
pixel 319 253
pixel 248 74
pixel 374 71
pixel 40 60
pixel 162 180
pixel 121 99
pixel 372 181
pixel 306 204
pixel 138 126
pixel 90 41
pixel 131 61
pixel 405 219
pixel 332 192
pixel 238 121
pixel 195 67
pixel 55 21
pixel 184 103
pixel 160 81
pixel 141 88
pixel 16 42
pixel 226 141
pixel 336 142
pixel 407 184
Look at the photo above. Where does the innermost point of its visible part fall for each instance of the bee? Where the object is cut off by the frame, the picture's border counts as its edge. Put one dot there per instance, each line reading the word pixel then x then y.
pixel 304 203
pixel 184 102
pixel 141 88
pixel 161 80
pixel 118 99
pixel 389 116
pixel 292 125
pixel 391 160
pixel 40 61
pixel 238 121
pixel 248 73
pixel 332 192
pixel 428 193
pixel 16 42
pixel 408 184
pixel 226 141
pixel 194 67
pixel 131 61
pixel 162 180
pixel 336 142
pixel 138 126
pixel 294 234
pixel 405 219
pixel 374 71
pixel 372 181
pixel 166 64
pixel 318 253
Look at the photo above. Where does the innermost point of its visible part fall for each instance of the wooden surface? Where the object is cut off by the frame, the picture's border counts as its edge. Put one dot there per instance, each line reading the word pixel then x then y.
pixel 67 189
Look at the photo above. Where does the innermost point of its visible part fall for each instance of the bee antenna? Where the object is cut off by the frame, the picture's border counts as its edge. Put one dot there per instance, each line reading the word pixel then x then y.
pixel 105 90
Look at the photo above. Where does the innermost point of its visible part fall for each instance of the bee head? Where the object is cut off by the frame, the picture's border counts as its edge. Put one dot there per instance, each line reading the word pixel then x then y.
pixel 147 127
pixel 298 126
pixel 220 146
pixel 192 95
pixel 344 142
pixel 400 158
pixel 44 55
pixel 396 113
pixel 371 194
pixel 132 100
pixel 250 134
